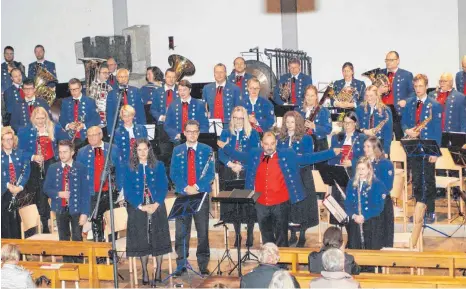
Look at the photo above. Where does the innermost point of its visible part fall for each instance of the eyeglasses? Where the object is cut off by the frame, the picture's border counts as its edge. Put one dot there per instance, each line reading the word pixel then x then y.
pixel 349 123
pixel 444 81
pixel 191 131
pixel 94 135
pixel 104 73
pixel 28 88
pixel 238 118
pixel 390 60
pixel 255 88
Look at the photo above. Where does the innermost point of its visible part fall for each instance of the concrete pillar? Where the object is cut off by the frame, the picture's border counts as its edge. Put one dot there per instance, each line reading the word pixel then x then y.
pixel 462 28
pixel 120 16
pixel 289 9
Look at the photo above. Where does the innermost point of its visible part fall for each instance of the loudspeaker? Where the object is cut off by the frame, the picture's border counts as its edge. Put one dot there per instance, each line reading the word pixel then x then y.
pixel 171 43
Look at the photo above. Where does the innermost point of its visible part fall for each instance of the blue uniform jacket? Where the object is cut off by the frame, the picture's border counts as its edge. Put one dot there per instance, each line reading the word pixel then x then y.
pixel 358 85
pixel 322 121
pixel 301 83
pixel 386 133
pixel 246 143
pixel 433 130
pixel 6 77
pixel 86 156
pixel 173 121
pixel 122 139
pixel 358 146
pixel 290 163
pixel 385 172
pixel 460 80
pixel 147 92
pixel 231 98
pixel 156 181
pixel 87 110
pixel 50 66
pixel 179 168
pixel 455 111
pixel 11 97
pixel 263 111
pixel 159 102
pixel 21 161
pixel 27 138
pixel 303 146
pixel 134 99
pixel 244 93
pixel 21 117
pixel 372 202
pixel 402 86
pixel 80 195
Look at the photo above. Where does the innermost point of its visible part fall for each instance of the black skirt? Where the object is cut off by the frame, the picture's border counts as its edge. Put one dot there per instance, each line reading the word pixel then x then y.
pixel 306 212
pixel 230 213
pixel 11 221
pixel 137 244
pixel 388 224
pixel 373 237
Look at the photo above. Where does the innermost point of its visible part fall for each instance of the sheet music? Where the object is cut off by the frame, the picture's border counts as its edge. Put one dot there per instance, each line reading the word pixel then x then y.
pixel 215 125
pixel 202 202
pixel 150 131
pixel 52 266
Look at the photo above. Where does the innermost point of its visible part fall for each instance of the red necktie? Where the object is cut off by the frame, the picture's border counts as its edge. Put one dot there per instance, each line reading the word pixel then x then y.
pixel 112 79
pixel 418 111
pixel 125 97
pixel 239 81
pixel 218 103
pixel 98 168
pixel 65 184
pixel 388 99
pixel 11 168
pixel 184 115
pixel 76 115
pixel 132 143
pixel 442 99
pixel 191 167
pixel 21 92
pixel 293 90
pixel 169 97
pixel 255 126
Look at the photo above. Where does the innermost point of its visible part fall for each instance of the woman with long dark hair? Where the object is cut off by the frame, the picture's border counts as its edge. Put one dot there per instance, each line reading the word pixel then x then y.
pixel 154 78
pixel 305 213
pixel 145 188
pixel 352 85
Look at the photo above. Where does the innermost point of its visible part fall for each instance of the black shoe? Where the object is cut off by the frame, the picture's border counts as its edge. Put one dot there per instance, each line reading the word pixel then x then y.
pixel 205 272
pixel 430 218
pixel 236 243
pixel 301 242
pixel 293 239
pixel 145 278
pixel 179 271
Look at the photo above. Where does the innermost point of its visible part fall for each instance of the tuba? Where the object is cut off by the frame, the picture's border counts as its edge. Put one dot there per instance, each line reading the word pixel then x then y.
pixel 378 78
pixel 182 66
pixel 43 77
pixel 91 72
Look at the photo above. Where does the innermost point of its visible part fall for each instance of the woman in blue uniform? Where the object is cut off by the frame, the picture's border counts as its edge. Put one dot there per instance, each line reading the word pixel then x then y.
pixel 145 188
pixel 305 213
pixel 127 134
pixel 244 137
pixel 40 139
pixel 384 171
pixel 363 205
pixel 154 78
pixel 375 118
pixel 355 87
pixel 317 119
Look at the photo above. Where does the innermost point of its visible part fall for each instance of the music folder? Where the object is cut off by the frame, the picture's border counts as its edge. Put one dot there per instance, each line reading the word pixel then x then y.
pixel 334 174
pixel 420 147
pixel 236 196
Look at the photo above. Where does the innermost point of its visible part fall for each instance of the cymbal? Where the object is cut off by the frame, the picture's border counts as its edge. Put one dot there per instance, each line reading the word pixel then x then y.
pixel 264 74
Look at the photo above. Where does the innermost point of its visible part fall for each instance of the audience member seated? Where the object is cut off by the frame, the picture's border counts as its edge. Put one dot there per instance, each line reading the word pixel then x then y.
pixel 283 279
pixel 261 276
pixel 12 275
pixel 333 238
pixel 334 275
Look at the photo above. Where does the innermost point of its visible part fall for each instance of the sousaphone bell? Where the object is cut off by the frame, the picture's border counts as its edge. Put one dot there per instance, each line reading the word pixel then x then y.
pixel 182 66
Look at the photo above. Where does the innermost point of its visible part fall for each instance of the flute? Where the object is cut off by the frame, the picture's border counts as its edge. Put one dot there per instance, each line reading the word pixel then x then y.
pixel 147 201
pixel 360 213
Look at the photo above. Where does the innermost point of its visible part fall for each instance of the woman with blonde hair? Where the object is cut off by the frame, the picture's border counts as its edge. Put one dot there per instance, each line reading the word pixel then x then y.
pixel 40 139
pixel 244 137
pixel 15 174
pixel 364 204
pixel 304 213
pixel 127 134
pixel 375 118
pixel 320 126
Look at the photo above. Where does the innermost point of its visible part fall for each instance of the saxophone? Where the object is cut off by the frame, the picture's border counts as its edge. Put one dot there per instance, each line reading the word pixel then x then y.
pixel 379 127
pixel 421 125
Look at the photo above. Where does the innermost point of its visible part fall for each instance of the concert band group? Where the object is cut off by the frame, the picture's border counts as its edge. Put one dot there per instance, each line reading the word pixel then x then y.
pixel 62 159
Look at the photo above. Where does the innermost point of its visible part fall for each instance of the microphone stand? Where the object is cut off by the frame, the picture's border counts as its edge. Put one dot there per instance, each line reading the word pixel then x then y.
pixel 103 177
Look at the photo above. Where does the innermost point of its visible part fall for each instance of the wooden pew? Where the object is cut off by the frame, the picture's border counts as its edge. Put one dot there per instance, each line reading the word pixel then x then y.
pixel 67 272
pixel 90 250
pixel 437 260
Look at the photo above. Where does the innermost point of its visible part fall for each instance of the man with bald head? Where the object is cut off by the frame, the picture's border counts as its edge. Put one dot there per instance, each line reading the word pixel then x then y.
pixel 129 96
pixel 400 87
pixel 112 68
pixel 461 77
pixel 453 105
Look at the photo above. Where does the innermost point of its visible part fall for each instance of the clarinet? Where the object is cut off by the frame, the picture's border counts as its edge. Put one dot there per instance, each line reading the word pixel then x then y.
pixel 360 213
pixel 206 166
pixel 147 201
pixel 39 152
pixel 13 204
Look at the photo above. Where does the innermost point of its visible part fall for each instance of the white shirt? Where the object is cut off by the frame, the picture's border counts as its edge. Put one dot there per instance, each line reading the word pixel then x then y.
pixel 101 145
pixel 308 111
pixel 168 87
pixel 64 164
pixel 194 146
pixel 253 102
pixel 394 71
pixel 295 76
pixel 290 141
pixel 130 131
pixel 78 98
pixel 423 98
pixel 240 74
pixel 348 140
pixel 29 101
pixel 220 84
pixel 188 100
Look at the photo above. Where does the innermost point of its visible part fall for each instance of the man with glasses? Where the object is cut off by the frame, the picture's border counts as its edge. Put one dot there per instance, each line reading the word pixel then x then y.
pixel 21 111
pixel 240 77
pixel 192 171
pixel 129 96
pixel 8 65
pixel 183 109
pixel 461 77
pixel 78 112
pixel 101 89
pixel 260 109
pixel 400 87
pixel 221 96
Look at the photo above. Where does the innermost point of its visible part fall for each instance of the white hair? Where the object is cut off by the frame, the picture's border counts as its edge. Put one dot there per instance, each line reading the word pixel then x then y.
pixel 281 279
pixel 268 254
pixel 333 260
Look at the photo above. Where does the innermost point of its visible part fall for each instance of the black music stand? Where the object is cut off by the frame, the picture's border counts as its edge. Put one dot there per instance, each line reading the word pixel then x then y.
pixel 280 110
pixel 455 141
pixel 186 205
pixel 422 148
pixel 237 197
pixel 335 176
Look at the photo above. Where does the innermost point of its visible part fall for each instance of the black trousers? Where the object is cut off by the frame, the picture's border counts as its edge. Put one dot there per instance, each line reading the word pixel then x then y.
pixel 183 229
pixel 65 220
pixel 11 221
pixel 273 223
pixel 424 181
pixel 97 222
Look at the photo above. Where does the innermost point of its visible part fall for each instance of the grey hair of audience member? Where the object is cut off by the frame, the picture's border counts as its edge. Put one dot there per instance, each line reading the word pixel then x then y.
pixel 281 279
pixel 333 260
pixel 268 254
